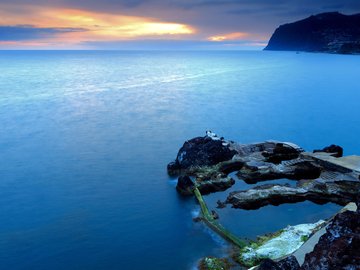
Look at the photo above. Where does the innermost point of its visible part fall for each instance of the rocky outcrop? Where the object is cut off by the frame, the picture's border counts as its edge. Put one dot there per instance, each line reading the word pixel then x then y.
pixel 281 152
pixel 210 159
pixel 215 185
pixel 201 151
pixel 331 32
pixel 318 191
pixel 185 185
pixel 334 150
pixel 339 247
pixel 323 176
pixel 288 263
pixel 256 171
pixel 204 163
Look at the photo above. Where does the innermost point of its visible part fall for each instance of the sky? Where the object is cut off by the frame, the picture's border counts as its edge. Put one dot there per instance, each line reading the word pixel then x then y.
pixel 153 24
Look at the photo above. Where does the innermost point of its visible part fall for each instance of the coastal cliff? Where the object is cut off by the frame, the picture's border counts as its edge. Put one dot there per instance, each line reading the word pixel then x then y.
pixel 331 32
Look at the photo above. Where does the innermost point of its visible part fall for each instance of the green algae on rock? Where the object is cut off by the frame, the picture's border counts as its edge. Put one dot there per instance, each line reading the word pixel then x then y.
pixel 212 263
pixel 279 244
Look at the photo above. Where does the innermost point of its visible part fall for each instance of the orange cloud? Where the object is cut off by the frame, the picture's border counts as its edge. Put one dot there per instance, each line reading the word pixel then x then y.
pixel 99 26
pixel 230 36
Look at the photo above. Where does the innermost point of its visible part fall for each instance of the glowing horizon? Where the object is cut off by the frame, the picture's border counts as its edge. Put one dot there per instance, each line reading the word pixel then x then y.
pixel 199 24
pixel 84 26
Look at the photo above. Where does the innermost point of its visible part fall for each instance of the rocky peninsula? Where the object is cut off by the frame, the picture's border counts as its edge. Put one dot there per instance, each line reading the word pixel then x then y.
pixel 203 165
pixel 331 32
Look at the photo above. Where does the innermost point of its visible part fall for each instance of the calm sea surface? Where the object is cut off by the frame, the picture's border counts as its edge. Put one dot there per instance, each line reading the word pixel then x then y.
pixel 85 138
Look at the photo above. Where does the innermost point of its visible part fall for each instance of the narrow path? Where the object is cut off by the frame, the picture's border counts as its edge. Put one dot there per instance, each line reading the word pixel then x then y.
pixel 214 225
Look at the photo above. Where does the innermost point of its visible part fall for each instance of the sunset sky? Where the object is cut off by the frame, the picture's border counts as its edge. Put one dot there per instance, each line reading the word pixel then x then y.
pixel 152 24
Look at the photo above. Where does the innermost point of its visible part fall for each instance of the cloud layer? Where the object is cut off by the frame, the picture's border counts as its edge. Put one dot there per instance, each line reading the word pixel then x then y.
pixel 92 22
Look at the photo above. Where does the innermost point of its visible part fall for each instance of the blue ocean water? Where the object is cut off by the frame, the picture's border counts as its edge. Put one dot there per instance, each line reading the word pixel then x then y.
pixel 86 135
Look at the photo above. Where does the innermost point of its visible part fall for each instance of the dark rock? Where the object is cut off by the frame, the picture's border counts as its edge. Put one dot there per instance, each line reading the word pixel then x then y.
pixel 268 264
pixel 350 48
pixel 318 191
pixel 232 166
pixel 288 263
pixel 201 151
pixel 280 153
pixel 330 32
pixel 173 168
pixel 197 219
pixel 339 247
pixel 335 150
pixel 255 172
pixel 185 186
pixel 305 170
pixel 220 204
pixel 215 185
pixel 214 214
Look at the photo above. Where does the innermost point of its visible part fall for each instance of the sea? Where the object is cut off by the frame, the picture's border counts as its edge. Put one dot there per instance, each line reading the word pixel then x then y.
pixel 86 136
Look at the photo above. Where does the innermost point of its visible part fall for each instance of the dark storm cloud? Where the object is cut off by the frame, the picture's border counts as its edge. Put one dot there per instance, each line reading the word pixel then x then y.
pixel 29 32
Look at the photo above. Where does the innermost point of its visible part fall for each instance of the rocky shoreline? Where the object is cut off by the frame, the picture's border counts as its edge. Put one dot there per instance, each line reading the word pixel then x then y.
pixel 322 175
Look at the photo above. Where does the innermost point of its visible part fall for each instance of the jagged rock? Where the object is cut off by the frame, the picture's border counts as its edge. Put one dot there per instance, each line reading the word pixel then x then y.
pixel 280 153
pixel 339 247
pixel 268 264
pixel 331 32
pixel 335 150
pixel 220 204
pixel 210 159
pixel 185 185
pixel 288 263
pixel 318 191
pixel 201 151
pixel 321 178
pixel 214 185
pixel 231 166
pixel 253 172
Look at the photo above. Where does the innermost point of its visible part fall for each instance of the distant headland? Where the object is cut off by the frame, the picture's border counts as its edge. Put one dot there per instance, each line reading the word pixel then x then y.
pixel 330 32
